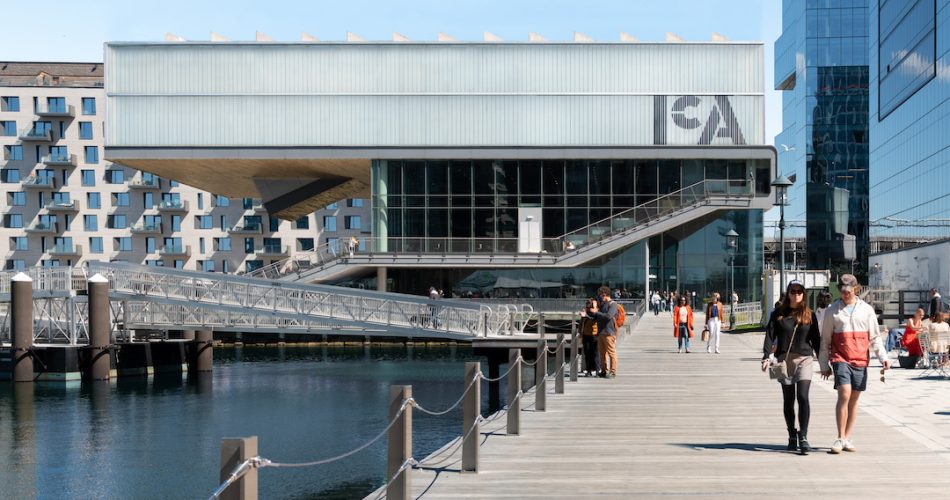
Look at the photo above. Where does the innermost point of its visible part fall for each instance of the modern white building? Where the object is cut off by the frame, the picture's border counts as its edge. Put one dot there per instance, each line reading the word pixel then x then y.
pixel 63 204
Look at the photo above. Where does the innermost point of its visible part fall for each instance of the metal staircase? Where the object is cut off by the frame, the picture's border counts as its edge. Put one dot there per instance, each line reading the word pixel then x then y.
pixel 569 250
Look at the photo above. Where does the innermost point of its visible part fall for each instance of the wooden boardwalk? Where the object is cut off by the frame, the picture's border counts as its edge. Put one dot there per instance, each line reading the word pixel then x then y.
pixel 675 425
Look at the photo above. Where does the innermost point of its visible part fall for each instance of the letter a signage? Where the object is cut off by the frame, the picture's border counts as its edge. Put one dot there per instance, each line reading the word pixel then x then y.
pixel 690 119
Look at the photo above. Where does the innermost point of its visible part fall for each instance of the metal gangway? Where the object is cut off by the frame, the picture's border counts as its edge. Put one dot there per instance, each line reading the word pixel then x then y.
pixel 568 250
pixel 151 298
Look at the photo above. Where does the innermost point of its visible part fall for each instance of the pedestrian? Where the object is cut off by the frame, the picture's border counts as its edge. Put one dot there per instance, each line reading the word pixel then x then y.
pixel 588 329
pixel 605 312
pixel 353 245
pixel 792 337
pixel 936 303
pixel 682 324
pixel 848 332
pixel 674 300
pixel 714 315
pixel 735 299
pixel 655 302
pixel 824 300
pixel 913 327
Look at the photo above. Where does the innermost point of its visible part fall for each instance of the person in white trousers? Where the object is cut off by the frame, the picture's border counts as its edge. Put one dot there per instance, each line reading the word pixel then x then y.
pixel 714 314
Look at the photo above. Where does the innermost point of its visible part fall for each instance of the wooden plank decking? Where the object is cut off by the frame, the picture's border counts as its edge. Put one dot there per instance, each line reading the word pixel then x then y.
pixel 673 425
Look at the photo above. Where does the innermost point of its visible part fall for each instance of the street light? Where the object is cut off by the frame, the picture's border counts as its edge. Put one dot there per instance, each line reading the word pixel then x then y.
pixel 781 186
pixel 732 243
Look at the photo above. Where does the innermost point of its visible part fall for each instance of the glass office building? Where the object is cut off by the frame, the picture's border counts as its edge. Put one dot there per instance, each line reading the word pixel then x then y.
pixel 821 65
pixel 910 119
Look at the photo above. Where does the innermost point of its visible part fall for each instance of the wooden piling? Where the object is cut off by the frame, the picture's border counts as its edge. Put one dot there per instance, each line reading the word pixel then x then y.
pixel 559 361
pixel 203 351
pixel 234 451
pixel 400 444
pixel 21 326
pixel 574 342
pixel 471 410
pixel 99 327
pixel 541 369
pixel 514 386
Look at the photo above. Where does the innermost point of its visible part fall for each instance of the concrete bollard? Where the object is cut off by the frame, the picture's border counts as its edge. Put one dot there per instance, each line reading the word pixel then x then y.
pixel 21 327
pixel 471 410
pixel 400 444
pixel 559 361
pixel 514 385
pixel 99 327
pixel 203 350
pixel 574 357
pixel 188 335
pixel 541 369
pixel 234 451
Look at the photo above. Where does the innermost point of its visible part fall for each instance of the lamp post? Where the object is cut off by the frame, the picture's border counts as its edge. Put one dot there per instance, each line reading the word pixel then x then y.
pixel 781 186
pixel 732 242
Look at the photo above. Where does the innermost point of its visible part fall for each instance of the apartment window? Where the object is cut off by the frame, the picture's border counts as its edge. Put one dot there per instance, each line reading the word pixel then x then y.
pixel 13 152
pixel 248 203
pixel 148 200
pixel 50 263
pixel 16 198
pixel 13 221
pixel 303 222
pixel 206 265
pixel 253 265
pixel 224 222
pixel 89 105
pixel 354 202
pixel 155 263
pixel 172 183
pixel 150 245
pixel 176 223
pixel 56 104
pixel 222 201
pixel 120 199
pixel 8 128
pixel 352 222
pixel 222 244
pixel 15 264
pixel 201 245
pixel 274 223
pixel 272 245
pixel 90 222
pixel 205 222
pixel 116 221
pixel 304 244
pixel 333 244
pixel 331 206
pixel 122 244
pixel 9 175
pixel 93 200
pixel 201 201
pixel 10 103
pixel 85 130
pixel 19 243
pixel 225 267
pixel 248 245
pixel 329 223
pixel 95 244
pixel 87 177
pixel 179 264
pixel 65 177
pixel 47 220
pixel 42 127
pixel 152 221
pixel 92 156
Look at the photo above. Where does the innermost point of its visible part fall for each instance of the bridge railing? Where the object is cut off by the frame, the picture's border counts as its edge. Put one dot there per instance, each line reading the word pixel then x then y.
pixel 748 313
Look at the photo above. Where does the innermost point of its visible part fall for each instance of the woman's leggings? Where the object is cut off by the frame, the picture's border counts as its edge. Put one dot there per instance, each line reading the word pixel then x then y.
pixel 790 393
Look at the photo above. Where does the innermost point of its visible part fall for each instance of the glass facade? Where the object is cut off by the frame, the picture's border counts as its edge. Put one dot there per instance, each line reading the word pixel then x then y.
pixel 910 148
pixel 473 206
pixel 822 67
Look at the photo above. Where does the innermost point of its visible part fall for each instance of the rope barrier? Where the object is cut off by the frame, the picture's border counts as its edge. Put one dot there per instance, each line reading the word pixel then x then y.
pixel 460 442
pixel 419 407
pixel 503 375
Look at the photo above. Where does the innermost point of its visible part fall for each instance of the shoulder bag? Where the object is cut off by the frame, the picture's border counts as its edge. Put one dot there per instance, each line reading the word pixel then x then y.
pixel 779 371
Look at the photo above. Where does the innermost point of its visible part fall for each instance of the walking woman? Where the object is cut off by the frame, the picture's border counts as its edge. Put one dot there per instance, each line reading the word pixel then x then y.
pixel 589 339
pixel 682 324
pixel 714 314
pixel 792 336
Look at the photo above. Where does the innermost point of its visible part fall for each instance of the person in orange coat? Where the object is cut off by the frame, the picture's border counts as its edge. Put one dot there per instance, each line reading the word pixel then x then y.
pixel 682 324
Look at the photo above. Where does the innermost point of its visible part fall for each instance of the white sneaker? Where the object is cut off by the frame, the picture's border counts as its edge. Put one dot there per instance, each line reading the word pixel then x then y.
pixel 837 446
pixel 848 446
pixel 717 351
pixel 679 351
pixel 708 350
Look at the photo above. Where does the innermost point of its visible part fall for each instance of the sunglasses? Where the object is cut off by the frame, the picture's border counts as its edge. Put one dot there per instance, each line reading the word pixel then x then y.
pixel 796 291
pixel 882 375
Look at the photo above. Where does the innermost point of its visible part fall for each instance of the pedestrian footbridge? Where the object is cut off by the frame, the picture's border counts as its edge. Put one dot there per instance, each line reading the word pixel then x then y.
pixel 150 298
pixel 569 250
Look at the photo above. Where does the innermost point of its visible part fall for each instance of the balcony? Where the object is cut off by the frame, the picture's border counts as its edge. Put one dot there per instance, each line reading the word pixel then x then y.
pixel 41 228
pixel 63 206
pixel 145 184
pixel 175 251
pixel 247 229
pixel 33 135
pixel 258 206
pixel 60 160
pixel 274 251
pixel 142 228
pixel 45 110
pixel 63 250
pixel 172 206
pixel 34 182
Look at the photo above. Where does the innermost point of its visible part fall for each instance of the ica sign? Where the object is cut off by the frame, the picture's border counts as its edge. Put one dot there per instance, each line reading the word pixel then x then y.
pixel 690 119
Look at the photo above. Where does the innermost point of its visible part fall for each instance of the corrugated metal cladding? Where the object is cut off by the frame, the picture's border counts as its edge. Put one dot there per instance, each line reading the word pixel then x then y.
pixel 246 94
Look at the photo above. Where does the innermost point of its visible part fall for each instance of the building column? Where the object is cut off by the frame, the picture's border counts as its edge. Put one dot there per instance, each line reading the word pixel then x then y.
pixel 379 203
pixel 381 278
pixel 646 269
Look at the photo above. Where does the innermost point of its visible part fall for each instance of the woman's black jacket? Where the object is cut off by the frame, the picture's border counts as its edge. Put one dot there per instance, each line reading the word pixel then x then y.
pixel 778 332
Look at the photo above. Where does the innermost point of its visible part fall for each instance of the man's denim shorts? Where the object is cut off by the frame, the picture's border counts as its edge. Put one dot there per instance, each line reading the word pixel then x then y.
pixel 846 374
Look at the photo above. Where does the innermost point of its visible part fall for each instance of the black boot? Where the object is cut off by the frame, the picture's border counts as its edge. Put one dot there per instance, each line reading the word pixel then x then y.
pixel 792 440
pixel 803 446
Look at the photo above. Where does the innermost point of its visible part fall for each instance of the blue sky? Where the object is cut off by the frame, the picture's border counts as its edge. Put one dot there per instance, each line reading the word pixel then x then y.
pixel 69 30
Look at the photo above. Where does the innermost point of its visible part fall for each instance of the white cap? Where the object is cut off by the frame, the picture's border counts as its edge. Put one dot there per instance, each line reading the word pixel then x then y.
pixel 21 276
pixel 98 278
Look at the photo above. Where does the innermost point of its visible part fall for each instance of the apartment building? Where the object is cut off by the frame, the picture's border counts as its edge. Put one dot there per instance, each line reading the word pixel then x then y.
pixel 63 204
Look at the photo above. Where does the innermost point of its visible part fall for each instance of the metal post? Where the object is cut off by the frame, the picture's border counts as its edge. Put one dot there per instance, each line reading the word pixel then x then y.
pixel 234 451
pixel 399 440
pixel 511 323
pixel 21 327
pixel 471 410
pixel 732 288
pixel 541 368
pixel 99 327
pixel 203 350
pixel 574 358
pixel 559 361
pixel 781 239
pixel 514 386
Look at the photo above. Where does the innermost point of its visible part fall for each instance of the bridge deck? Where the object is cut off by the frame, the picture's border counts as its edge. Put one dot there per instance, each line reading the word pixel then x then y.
pixel 710 425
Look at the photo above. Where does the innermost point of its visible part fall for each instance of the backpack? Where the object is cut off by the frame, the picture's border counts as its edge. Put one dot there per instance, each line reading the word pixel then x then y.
pixel 621 316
